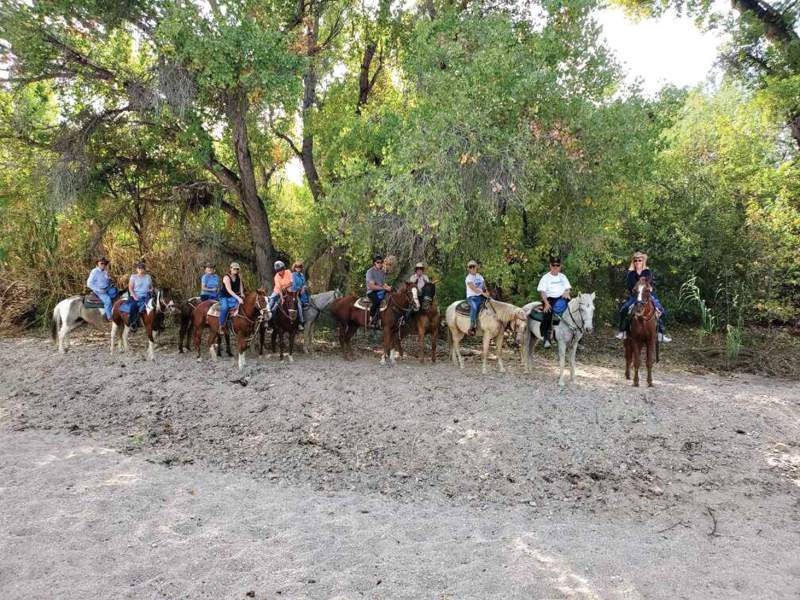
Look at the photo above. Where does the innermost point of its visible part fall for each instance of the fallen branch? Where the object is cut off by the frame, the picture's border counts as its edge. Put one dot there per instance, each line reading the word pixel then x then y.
pixel 713 532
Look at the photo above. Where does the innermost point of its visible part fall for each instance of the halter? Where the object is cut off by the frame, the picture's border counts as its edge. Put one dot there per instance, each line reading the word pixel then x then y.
pixel 645 303
pixel 575 326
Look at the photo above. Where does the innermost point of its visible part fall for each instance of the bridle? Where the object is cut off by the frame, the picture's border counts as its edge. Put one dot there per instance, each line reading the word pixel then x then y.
pixel 286 312
pixel 645 303
pixel 574 326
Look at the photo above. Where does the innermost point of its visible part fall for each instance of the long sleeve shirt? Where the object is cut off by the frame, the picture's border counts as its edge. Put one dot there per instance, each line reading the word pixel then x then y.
pixel 99 280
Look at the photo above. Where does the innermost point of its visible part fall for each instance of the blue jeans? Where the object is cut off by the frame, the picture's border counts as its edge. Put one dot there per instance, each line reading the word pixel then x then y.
pixel 107 300
pixel 204 297
pixel 226 304
pixel 475 303
pixel 137 307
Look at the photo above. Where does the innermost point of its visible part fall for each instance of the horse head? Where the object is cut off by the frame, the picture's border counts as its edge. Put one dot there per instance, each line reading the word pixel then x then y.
pixel 289 304
pixel 165 302
pixel 586 310
pixel 412 294
pixel 262 304
pixel 642 291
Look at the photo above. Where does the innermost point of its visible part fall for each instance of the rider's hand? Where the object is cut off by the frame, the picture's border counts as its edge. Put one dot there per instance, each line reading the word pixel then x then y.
pixel 546 306
pixel 387 287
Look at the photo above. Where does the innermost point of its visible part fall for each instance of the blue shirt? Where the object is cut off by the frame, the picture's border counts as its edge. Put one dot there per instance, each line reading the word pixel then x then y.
pixel 99 280
pixel 298 281
pixel 141 284
pixel 209 283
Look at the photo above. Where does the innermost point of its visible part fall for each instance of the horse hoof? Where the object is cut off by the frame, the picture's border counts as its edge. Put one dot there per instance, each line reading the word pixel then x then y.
pixel 198 360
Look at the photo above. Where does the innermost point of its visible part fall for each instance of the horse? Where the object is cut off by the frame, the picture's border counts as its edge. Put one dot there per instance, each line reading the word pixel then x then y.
pixel 576 321
pixel 426 321
pixel 492 322
pixel 318 304
pixel 185 311
pixel 349 317
pixel 158 305
pixel 284 320
pixel 245 323
pixel 71 313
pixel 643 331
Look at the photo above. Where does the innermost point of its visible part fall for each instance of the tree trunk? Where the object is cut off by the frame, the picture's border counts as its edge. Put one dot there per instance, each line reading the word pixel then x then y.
pixel 309 100
pixel 257 219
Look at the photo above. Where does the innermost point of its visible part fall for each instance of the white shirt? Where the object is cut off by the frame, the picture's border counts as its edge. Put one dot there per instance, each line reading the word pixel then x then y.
pixel 553 285
pixel 475 279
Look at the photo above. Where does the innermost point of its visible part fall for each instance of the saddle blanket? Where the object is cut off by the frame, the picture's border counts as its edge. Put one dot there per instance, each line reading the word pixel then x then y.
pixel 127 304
pixel 214 312
pixel 364 303
pixel 91 300
pixel 463 308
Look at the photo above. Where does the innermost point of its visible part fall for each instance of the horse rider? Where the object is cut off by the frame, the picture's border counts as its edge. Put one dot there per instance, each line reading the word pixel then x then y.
pixel 554 289
pixel 299 286
pixel 140 286
pixel 231 294
pixel 100 283
pixel 282 281
pixel 419 277
pixel 636 271
pixel 209 283
pixel 376 288
pixel 476 293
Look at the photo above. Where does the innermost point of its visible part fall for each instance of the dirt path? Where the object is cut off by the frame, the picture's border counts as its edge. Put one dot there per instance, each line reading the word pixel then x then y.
pixel 125 479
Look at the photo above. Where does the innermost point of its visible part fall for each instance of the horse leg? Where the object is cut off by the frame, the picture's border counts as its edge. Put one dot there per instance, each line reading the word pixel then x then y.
pixel 242 345
pixel 213 338
pixel 227 342
pixel 487 339
pixel 572 353
pixel 651 343
pixel 273 337
pixel 125 333
pixel 63 337
pixel 637 361
pixel 280 340
pixel 562 355
pixel 292 333
pixel 421 336
pixel 198 340
pixel 151 342
pixel 308 336
pixel 434 341
pixel 114 328
pixel 498 342
pixel 628 357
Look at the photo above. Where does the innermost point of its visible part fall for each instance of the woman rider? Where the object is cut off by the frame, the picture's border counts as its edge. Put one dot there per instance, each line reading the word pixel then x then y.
pixel 637 270
pixel 476 294
pixel 299 286
pixel 140 286
pixel 231 294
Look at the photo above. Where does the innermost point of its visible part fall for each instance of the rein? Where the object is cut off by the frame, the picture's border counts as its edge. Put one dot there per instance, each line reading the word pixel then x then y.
pixel 576 327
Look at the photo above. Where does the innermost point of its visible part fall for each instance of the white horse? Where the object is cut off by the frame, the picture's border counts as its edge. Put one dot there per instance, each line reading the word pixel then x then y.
pixel 318 304
pixel 492 321
pixel 69 314
pixel 576 321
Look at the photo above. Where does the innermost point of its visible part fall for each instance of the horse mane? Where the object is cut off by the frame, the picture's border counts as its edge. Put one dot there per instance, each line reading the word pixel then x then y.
pixel 505 311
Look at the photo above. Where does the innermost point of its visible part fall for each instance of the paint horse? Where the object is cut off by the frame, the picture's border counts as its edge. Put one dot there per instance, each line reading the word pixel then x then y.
pixel 157 307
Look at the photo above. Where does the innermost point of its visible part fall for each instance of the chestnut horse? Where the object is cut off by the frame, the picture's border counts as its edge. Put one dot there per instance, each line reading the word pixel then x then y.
pixel 284 320
pixel 643 331
pixel 185 311
pixel 245 323
pixel 349 318
pixel 425 321
pixel 158 305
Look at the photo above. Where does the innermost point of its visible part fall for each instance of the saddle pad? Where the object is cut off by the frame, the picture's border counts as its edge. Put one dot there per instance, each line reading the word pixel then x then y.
pixel 364 303
pixel 214 310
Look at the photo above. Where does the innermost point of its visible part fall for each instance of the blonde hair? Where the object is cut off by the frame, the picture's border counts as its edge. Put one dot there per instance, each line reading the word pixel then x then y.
pixel 643 256
pixel 297 263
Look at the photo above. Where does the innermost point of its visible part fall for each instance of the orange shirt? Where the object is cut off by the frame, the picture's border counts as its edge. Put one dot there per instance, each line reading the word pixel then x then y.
pixel 283 280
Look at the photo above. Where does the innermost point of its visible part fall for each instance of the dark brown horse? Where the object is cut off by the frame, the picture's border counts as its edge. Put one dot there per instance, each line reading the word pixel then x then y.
pixel 158 306
pixel 284 320
pixel 185 312
pixel 425 321
pixel 349 318
pixel 245 324
pixel 642 332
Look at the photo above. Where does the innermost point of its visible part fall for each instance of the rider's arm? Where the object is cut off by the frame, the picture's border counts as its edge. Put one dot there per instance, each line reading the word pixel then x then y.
pixel 567 288
pixel 130 288
pixel 226 281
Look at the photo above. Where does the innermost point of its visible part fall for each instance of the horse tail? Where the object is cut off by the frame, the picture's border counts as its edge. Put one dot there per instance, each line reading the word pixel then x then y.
pixel 449 340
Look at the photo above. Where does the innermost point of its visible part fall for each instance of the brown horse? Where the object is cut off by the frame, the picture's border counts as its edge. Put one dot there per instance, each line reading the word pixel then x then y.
pixel 158 305
pixel 425 321
pixel 245 323
pixel 349 318
pixel 284 320
pixel 185 312
pixel 643 331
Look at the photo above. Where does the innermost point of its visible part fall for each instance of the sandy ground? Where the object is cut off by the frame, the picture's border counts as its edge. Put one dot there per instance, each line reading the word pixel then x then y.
pixel 329 479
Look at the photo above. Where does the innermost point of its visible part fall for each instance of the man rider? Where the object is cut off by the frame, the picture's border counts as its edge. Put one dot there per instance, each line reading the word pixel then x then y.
pixel 140 286
pixel 554 288
pixel 100 283
pixel 376 288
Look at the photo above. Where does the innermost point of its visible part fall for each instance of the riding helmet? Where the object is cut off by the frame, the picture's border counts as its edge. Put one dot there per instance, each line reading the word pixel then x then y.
pixel 279 264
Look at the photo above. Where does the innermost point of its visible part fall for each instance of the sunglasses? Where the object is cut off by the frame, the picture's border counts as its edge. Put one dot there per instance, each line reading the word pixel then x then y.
pixel 555 264
pixel 235 269
pixel 638 260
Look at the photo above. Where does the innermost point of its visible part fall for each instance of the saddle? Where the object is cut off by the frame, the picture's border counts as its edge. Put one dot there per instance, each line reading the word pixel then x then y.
pixel 91 300
pixel 537 314
pixel 214 312
pixel 364 303
pixel 463 308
